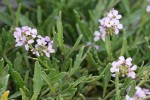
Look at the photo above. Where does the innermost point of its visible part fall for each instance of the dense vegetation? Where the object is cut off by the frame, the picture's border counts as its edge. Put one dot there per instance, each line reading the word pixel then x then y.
pixel 76 71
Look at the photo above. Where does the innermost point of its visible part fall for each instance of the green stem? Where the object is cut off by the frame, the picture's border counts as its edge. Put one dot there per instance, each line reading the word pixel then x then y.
pixel 41 62
pixel 109 94
pixel 142 82
pixel 117 85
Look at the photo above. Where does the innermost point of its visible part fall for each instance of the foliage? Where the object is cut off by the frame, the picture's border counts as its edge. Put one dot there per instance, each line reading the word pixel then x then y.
pixel 77 70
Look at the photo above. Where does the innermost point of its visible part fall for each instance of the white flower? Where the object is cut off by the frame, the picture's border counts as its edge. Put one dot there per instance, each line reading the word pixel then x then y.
pixel 117 26
pixel 131 72
pixel 110 22
pixel 41 41
pixel 115 67
pixel 48 51
pixel 129 98
pixel 33 33
pixel 99 35
pixel 102 21
pixel 26 47
pixel 148 8
pixel 35 50
pixel 123 66
pixel 25 36
pixel 127 61
pixel 140 93
pixel 147 92
pixel 113 14
pixel 47 39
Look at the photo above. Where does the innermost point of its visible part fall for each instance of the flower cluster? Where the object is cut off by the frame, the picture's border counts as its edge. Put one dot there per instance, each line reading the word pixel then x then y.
pixel 148 8
pixel 27 37
pixel 124 66
pixel 109 25
pixel 44 45
pixel 139 94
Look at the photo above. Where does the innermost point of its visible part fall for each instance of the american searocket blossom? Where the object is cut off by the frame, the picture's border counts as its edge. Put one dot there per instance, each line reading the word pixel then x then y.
pixel 124 66
pixel 109 25
pixel 44 45
pixel 139 94
pixel 27 37
pixel 148 8
pixel 98 36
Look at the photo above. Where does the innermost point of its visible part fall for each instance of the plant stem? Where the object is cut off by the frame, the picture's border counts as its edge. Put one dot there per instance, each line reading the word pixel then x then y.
pixel 109 94
pixel 117 85
pixel 38 59
pixel 142 82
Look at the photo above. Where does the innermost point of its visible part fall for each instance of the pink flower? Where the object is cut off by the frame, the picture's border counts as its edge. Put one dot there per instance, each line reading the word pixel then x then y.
pixel 25 36
pixel 131 72
pixel 123 66
pixel 127 61
pixel 140 93
pixel 113 14
pixel 48 51
pixel 148 8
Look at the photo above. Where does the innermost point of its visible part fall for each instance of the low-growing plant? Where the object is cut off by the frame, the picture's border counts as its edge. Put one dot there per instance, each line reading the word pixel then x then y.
pixel 75 50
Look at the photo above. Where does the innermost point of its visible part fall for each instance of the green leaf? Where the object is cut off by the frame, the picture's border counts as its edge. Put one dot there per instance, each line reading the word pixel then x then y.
pixel 5 18
pixel 37 81
pixel 77 62
pixel 90 59
pixel 57 77
pixel 39 15
pixel 67 65
pixel 70 91
pixel 16 78
pixel 46 78
pixel 60 33
pixel 125 85
pixel 1 46
pixel 24 97
pixel 108 46
pixel 25 21
pixel 126 4
pixel 107 76
pixel 75 45
pixel 132 88
pixel 124 47
pixel 15 95
pixel 4 84
pixel 17 61
pixel 1 64
pixel 18 14
pixel 77 16
pixel 95 78
pixel 81 26
pixel 78 81
pixel 5 37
